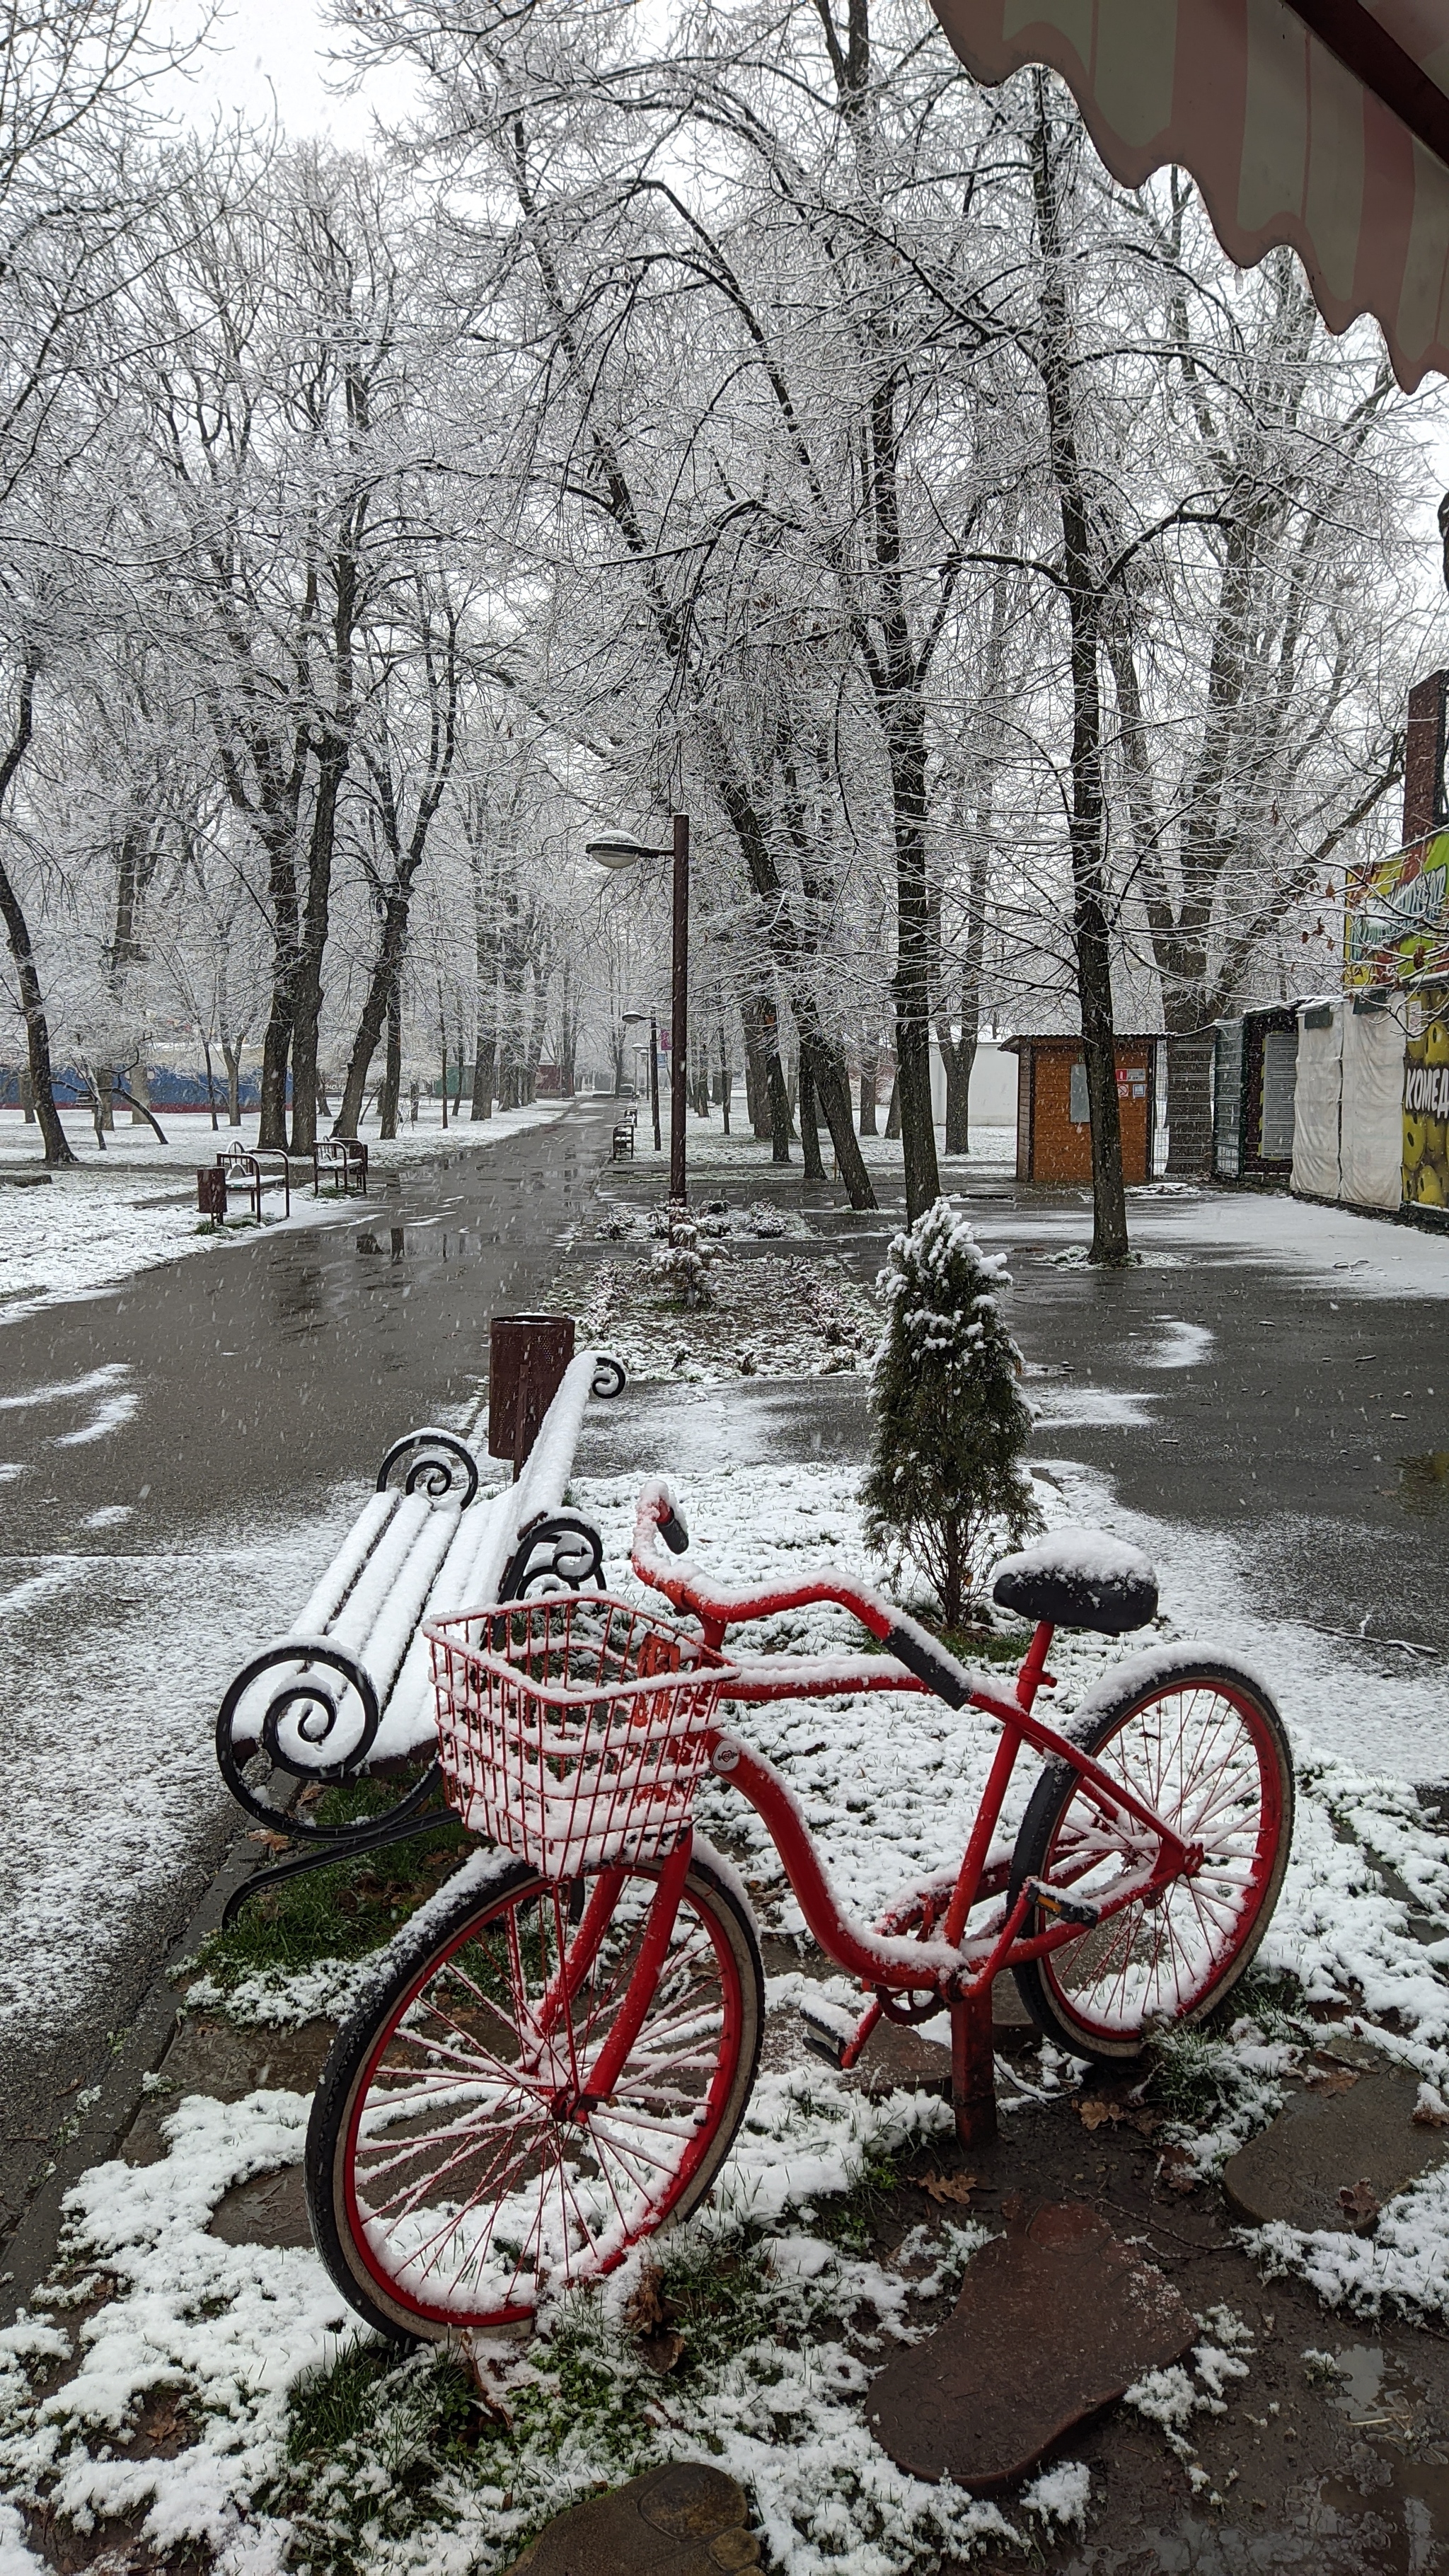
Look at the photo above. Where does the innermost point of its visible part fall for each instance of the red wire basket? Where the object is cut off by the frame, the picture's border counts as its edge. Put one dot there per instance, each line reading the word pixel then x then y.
pixel 573 1729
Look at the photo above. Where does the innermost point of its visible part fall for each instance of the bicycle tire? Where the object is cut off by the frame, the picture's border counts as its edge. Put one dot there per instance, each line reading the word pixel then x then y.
pixel 506 1926
pixel 1102 1996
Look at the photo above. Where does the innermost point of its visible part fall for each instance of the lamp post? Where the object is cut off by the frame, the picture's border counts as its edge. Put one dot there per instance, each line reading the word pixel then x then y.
pixel 620 850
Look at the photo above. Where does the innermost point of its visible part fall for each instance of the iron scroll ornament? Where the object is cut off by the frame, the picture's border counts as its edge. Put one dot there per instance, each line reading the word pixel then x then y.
pixel 439 1462
pixel 559 1550
pixel 556 1552
pixel 609 1378
pixel 316 1707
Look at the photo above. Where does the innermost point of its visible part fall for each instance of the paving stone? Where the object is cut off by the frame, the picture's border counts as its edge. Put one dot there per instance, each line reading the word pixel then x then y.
pixel 213 2058
pixel 685 2520
pixel 1355 2126
pixel 269 2209
pixel 1054 2321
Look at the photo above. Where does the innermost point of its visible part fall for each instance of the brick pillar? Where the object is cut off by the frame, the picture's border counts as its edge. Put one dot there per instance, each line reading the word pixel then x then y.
pixel 1190 1106
pixel 1424 805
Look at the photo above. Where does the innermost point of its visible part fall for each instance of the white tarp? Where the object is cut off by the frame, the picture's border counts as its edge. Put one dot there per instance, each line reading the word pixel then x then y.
pixel 1372 1152
pixel 1316 1100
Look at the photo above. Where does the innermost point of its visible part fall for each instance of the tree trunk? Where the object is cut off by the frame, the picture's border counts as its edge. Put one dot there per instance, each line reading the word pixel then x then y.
pixel 809 1131
pixel 912 978
pixel 307 989
pixel 1087 824
pixel 776 1094
pixel 37 1030
pixel 893 1110
pixel 757 1084
pixel 958 1055
pixel 484 1067
pixel 392 1070
pixel 385 980
pixel 210 1081
pixel 869 1076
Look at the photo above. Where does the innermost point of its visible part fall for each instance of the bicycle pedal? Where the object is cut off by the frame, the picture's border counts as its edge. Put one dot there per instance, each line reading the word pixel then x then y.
pixel 1071 1909
pixel 827 2030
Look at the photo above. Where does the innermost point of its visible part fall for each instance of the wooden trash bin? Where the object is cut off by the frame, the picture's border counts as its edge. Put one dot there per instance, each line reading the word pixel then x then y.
pixel 527 1356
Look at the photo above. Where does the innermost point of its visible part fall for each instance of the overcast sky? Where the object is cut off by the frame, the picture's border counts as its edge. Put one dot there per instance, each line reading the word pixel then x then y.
pixel 270 60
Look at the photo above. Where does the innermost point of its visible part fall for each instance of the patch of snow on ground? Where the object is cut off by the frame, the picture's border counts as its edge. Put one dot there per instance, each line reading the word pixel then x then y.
pixel 1061 2494
pixel 223 2330
pixel 224 2327
pixel 114 1778
pixel 1070 1407
pixel 1354 1255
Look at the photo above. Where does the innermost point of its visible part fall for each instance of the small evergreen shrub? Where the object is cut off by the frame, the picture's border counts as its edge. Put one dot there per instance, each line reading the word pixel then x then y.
pixel 949 1418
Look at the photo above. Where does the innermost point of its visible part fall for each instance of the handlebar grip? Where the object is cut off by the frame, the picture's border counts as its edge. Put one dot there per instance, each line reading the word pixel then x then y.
pixel 930 1663
pixel 673 1530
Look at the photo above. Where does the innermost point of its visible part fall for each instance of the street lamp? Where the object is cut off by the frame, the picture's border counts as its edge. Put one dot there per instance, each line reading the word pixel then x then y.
pixel 620 850
pixel 636 1020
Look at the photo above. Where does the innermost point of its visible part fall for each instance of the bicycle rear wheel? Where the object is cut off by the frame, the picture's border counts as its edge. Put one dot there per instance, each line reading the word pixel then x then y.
pixel 454 2177
pixel 1199 1741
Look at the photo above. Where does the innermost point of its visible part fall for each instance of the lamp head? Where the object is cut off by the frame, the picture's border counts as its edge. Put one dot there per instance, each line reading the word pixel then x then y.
pixel 620 850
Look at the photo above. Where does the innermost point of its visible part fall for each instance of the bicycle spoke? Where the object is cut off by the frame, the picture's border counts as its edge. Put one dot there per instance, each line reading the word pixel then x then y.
pixel 1191 1756
pixel 482 2173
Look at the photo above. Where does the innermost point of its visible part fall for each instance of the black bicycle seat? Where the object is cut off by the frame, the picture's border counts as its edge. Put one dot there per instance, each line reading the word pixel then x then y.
pixel 1077 1578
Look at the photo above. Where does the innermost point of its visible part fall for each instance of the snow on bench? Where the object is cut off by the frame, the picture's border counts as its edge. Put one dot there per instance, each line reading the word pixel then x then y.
pixel 348 1689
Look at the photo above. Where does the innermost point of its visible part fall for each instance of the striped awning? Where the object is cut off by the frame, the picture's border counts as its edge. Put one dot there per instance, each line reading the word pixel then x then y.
pixel 1324 125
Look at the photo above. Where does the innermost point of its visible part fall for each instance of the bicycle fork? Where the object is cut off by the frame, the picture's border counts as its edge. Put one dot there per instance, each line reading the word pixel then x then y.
pixel 592 2085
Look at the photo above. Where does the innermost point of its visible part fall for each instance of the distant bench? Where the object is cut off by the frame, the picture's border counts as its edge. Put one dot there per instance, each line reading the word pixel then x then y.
pixel 348 1689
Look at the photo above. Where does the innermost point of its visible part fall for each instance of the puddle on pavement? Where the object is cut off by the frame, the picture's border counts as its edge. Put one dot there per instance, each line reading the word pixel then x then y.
pixel 1383 2511
pixel 1424 1481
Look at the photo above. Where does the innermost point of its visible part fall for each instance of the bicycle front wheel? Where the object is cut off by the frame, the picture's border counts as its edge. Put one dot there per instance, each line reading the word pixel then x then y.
pixel 457 2173
pixel 1197 1739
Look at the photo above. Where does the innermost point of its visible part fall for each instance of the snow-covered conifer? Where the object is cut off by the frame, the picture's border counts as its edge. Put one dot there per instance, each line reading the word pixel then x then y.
pixel 950 1421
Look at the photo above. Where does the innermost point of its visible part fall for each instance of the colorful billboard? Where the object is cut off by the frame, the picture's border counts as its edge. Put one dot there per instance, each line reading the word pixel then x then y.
pixel 1426 1107
pixel 1396 917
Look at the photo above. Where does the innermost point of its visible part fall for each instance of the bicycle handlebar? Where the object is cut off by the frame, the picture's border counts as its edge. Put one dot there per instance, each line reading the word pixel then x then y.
pixel 927 1662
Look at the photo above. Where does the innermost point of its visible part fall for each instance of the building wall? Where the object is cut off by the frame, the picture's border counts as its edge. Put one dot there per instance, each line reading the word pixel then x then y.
pixel 1052 1145
pixel 992 1097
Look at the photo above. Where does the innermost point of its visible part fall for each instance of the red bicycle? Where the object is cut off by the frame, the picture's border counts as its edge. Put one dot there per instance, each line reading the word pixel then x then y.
pixel 559 2047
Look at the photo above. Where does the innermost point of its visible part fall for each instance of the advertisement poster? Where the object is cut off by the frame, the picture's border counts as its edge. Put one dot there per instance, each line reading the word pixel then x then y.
pixel 1396 917
pixel 1426 1104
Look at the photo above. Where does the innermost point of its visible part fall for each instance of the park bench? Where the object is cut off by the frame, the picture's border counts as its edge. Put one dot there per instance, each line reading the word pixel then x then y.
pixel 348 1690
pixel 342 1160
pixel 247 1175
pixel 623 1146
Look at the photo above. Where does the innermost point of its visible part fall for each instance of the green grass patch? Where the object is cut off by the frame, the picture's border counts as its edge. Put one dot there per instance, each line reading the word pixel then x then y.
pixel 852 2219
pixel 721 2298
pixel 345 1909
pixel 1194 2070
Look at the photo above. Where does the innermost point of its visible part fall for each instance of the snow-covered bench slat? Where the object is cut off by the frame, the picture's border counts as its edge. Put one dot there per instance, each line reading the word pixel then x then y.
pixel 348 1689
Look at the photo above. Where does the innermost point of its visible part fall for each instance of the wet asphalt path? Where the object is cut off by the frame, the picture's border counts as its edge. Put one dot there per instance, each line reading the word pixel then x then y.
pixel 180 1456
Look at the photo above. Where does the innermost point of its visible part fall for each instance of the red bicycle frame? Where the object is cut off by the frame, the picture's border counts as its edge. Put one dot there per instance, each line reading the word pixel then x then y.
pixel 939 1958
